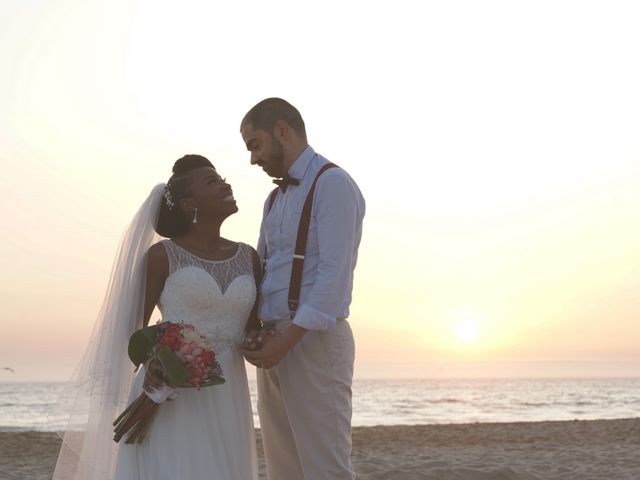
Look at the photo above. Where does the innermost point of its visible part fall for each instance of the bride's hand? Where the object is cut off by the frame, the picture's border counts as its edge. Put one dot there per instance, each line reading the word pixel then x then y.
pixel 255 339
pixel 252 340
pixel 275 347
pixel 153 378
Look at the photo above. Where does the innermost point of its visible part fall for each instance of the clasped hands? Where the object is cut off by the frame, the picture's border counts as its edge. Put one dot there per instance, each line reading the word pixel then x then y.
pixel 265 348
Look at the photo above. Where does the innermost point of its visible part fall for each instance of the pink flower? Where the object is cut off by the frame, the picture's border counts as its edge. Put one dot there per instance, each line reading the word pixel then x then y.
pixel 208 357
pixel 171 337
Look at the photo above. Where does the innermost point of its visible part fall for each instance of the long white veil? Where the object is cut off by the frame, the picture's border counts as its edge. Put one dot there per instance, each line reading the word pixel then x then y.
pixel 99 389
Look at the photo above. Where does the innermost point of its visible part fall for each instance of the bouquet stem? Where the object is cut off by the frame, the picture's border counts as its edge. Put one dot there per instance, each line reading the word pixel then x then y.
pixel 135 417
pixel 127 411
pixel 142 427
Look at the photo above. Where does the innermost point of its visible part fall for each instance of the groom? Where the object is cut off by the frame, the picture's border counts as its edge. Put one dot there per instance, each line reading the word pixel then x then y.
pixel 305 362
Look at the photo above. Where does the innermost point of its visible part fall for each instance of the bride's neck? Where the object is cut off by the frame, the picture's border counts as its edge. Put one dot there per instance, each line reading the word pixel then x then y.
pixel 204 236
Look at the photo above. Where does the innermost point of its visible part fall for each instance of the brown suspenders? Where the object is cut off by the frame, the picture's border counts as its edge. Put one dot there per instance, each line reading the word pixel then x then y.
pixel 301 243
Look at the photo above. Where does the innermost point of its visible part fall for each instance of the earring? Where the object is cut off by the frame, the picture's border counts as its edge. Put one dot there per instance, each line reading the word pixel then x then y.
pixel 195 216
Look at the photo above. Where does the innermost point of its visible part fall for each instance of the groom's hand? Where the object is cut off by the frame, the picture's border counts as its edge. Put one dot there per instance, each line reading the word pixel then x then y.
pixel 255 338
pixel 275 347
pixel 252 340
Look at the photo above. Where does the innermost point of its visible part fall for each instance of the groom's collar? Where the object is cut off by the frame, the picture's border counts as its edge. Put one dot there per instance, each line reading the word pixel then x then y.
pixel 299 168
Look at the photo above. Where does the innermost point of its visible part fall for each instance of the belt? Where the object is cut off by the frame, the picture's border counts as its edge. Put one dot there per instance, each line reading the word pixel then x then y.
pixel 288 320
pixel 284 323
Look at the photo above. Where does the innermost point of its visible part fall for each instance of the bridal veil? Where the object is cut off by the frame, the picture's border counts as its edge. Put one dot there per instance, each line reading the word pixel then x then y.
pixel 99 389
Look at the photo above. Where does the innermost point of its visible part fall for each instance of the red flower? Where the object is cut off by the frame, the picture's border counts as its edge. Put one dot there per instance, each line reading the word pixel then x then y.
pixel 208 357
pixel 172 337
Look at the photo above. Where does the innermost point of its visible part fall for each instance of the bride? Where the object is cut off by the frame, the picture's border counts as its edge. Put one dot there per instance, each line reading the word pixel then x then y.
pixel 195 276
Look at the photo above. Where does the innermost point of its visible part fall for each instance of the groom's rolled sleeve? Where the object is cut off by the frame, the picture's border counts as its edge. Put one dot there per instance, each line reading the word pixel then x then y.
pixel 311 319
pixel 337 218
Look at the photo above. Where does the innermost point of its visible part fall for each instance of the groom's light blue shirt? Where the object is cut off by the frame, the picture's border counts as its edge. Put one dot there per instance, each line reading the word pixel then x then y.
pixel 332 249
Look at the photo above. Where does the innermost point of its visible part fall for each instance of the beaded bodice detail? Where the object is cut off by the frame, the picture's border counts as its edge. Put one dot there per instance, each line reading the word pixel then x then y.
pixel 216 296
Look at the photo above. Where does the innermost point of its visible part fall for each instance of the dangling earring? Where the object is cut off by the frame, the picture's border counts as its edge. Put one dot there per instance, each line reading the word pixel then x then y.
pixel 195 216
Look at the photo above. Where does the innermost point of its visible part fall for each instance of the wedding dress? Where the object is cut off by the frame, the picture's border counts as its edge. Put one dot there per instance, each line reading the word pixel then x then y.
pixel 203 434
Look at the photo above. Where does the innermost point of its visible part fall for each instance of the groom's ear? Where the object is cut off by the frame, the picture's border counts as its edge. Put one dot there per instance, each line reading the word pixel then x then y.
pixel 281 130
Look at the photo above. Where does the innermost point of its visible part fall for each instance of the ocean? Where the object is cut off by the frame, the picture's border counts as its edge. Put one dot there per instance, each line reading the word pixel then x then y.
pixel 25 406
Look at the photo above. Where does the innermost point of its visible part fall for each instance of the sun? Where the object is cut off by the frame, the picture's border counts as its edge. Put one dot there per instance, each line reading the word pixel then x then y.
pixel 467 330
pixel 466 322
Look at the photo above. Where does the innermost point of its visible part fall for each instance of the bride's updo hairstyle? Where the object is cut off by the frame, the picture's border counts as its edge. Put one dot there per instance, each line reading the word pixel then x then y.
pixel 172 221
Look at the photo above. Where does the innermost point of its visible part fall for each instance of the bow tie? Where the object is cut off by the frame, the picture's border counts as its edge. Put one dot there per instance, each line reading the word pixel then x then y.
pixel 285 182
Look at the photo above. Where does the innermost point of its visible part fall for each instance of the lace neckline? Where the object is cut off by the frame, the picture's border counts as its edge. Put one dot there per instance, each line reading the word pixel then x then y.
pixel 205 259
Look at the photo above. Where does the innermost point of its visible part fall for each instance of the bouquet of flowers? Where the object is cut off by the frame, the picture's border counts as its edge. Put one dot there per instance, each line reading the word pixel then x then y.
pixel 183 357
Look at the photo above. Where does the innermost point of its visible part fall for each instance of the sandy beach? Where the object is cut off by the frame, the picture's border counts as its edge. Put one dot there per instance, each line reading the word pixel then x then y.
pixel 577 450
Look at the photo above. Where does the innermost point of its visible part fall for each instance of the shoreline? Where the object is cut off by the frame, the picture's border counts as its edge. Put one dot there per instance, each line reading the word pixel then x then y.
pixel 548 450
pixel 409 378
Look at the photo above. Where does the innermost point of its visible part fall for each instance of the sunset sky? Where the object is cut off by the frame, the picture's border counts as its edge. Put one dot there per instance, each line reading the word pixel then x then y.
pixel 497 145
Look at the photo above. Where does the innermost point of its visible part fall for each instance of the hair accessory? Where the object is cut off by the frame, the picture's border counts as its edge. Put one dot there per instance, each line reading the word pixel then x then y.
pixel 168 198
pixel 195 216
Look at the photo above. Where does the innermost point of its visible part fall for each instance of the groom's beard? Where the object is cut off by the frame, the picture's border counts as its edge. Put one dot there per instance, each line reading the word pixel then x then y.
pixel 275 165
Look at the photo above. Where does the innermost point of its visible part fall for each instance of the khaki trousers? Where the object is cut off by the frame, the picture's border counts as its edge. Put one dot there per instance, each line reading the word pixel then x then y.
pixel 304 404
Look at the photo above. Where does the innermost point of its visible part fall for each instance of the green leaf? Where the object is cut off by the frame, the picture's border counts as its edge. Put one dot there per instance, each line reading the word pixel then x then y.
pixel 175 372
pixel 213 380
pixel 141 343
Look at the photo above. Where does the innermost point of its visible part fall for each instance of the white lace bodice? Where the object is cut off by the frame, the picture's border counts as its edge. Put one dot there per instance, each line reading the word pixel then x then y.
pixel 216 296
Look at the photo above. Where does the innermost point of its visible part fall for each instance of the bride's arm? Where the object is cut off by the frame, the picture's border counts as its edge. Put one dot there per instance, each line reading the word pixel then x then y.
pixel 253 323
pixel 157 272
pixel 253 327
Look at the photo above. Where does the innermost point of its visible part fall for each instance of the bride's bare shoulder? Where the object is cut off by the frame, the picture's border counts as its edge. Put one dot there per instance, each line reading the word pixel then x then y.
pixel 157 259
pixel 157 250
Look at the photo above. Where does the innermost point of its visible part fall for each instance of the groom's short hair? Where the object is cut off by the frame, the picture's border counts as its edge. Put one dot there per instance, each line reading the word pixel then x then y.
pixel 264 115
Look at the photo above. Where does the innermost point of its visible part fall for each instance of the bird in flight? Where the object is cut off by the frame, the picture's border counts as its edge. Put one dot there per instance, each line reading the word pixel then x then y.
pixel 9 368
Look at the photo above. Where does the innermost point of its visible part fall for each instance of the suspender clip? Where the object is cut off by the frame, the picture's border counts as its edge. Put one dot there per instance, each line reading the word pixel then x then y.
pixel 293 307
